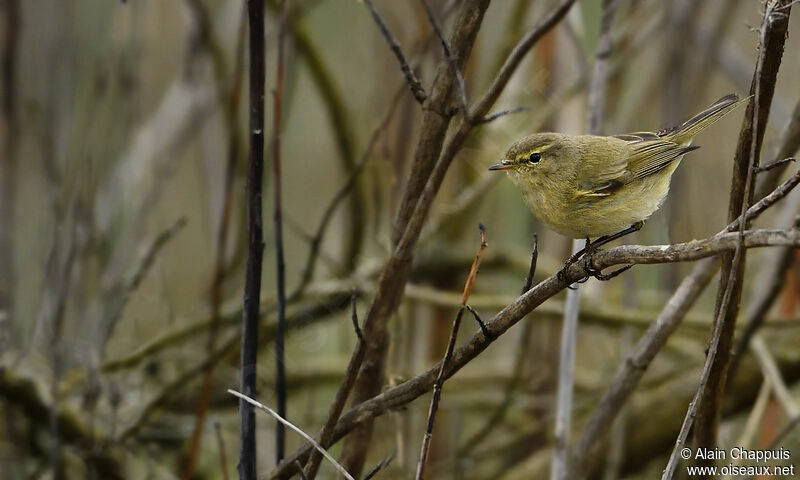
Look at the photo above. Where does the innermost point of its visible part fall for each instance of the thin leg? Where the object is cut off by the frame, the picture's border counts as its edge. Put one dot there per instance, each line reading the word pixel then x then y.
pixel 591 247
pixel 610 238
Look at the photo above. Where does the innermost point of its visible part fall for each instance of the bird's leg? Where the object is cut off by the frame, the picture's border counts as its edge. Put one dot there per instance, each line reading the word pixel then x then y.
pixel 574 258
pixel 591 248
pixel 588 264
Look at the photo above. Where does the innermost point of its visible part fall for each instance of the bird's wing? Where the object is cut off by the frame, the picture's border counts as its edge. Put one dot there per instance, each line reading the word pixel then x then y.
pixel 647 154
pixel 599 178
pixel 647 157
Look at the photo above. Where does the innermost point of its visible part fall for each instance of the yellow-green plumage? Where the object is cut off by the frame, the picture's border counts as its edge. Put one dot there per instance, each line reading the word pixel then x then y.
pixel 589 186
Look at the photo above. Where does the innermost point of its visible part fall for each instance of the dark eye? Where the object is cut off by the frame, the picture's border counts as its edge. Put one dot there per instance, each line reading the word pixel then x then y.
pixel 534 158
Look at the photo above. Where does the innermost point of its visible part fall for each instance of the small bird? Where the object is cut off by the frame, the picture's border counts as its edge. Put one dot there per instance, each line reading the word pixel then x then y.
pixel 588 186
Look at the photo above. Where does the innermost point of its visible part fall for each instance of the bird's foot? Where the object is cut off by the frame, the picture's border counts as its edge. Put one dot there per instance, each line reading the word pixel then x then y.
pixel 592 271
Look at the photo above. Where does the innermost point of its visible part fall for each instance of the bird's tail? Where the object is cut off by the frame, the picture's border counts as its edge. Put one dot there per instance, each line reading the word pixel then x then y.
pixel 683 133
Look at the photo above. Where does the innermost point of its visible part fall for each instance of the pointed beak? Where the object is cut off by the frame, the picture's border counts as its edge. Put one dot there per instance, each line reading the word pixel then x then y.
pixel 502 166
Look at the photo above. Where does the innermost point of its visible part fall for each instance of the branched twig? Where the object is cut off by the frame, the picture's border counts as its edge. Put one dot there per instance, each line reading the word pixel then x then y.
pixel 255 245
pixel 406 392
pixel 451 60
pixel 433 131
pixel 411 79
pixel 494 116
pixel 285 422
pixel 316 240
pixel 121 292
pixel 445 363
pixel 709 397
pixel 775 164
pixel 335 410
pixel 380 466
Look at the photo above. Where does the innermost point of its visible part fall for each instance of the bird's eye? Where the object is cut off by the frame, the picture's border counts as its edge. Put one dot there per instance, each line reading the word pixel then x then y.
pixel 534 157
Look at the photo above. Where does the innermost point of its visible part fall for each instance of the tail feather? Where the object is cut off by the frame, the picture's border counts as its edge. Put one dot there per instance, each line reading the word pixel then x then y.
pixel 688 129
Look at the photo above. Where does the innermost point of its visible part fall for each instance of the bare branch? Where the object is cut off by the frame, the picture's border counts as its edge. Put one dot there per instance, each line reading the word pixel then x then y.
pixel 303 434
pixel 439 383
pixel 709 398
pixel 406 392
pixel 335 410
pixel 255 245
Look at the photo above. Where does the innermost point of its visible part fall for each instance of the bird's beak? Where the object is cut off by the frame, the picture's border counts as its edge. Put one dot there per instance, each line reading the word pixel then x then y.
pixel 502 166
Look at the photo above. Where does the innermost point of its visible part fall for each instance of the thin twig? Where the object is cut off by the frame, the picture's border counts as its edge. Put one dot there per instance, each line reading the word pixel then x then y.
pixel 433 131
pixel 335 410
pixel 229 97
pixel 316 240
pixel 406 392
pixel 255 244
pixel 494 116
pixel 771 372
pixel 380 466
pixel 451 60
pixel 413 84
pixel 437 386
pixel 280 337
pixel 707 400
pixel 775 164
pixel 303 434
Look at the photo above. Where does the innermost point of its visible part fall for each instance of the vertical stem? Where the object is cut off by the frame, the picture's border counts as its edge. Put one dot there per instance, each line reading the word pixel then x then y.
pixel 255 244
pixel 771 43
pixel 566 367
pixel 280 336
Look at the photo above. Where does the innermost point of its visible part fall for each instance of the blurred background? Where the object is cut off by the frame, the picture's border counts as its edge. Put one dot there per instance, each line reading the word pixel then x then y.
pixel 122 232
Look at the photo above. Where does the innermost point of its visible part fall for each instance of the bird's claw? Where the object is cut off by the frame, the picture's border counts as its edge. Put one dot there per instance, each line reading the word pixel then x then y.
pixel 589 269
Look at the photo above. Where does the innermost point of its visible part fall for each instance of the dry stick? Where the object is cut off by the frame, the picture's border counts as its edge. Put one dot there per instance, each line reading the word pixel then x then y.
pixel 451 60
pixel 496 418
pixel 772 373
pixel 445 363
pixel 280 337
pixel 788 145
pixel 285 422
pixel 406 392
pixel 335 410
pixel 230 100
pixel 341 123
pixel 411 79
pixel 380 466
pixel 316 240
pixel 767 286
pixel 569 333
pixel 771 40
pixel 432 133
pixel 255 244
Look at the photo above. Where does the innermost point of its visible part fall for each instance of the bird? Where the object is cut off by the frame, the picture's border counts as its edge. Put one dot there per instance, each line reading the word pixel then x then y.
pixel 603 187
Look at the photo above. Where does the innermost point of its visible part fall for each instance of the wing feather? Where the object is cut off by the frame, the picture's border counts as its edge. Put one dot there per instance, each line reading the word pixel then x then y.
pixel 644 154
